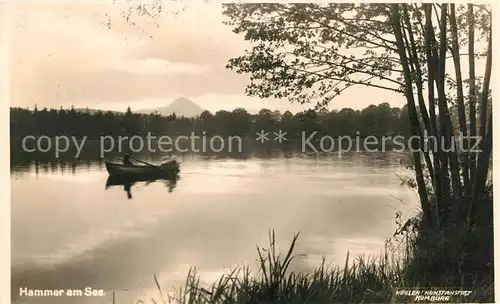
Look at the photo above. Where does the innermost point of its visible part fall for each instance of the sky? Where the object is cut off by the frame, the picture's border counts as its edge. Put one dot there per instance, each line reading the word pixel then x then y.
pixel 88 55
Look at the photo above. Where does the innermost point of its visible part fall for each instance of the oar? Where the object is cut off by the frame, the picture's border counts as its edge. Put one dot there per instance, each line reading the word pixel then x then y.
pixel 145 163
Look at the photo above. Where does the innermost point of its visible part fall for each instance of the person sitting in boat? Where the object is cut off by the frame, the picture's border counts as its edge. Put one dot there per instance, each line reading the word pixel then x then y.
pixel 170 161
pixel 126 160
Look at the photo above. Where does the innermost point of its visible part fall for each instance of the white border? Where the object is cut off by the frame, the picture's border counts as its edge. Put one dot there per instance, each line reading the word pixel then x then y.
pixel 5 152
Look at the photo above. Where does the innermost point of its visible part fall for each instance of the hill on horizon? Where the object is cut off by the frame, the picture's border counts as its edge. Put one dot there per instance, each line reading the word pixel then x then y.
pixel 181 107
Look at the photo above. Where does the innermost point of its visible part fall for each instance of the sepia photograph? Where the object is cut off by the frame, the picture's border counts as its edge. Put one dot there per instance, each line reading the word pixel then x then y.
pixel 206 152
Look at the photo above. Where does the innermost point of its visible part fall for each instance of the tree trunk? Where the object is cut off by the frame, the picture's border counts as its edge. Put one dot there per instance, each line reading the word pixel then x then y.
pixel 415 68
pixel 460 93
pixel 450 158
pixel 486 139
pixel 412 114
pixel 432 67
pixel 472 87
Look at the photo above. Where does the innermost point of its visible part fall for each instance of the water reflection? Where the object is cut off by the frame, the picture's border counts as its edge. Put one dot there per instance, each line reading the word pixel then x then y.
pixel 224 201
pixel 128 183
pixel 90 158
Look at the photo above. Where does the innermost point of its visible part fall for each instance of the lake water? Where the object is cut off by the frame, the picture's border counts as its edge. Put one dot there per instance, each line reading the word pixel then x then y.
pixel 69 232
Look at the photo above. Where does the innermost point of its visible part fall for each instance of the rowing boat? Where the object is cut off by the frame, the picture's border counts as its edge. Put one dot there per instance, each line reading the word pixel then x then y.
pixel 134 171
pixel 114 180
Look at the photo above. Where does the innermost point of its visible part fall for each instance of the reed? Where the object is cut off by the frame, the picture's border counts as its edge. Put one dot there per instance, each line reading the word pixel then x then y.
pixel 361 280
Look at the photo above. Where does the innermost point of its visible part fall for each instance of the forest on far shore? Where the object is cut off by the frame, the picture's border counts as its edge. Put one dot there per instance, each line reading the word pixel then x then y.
pixel 374 120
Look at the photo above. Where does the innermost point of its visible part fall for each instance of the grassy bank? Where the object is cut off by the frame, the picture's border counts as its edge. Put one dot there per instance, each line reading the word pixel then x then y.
pixel 449 257
pixel 428 260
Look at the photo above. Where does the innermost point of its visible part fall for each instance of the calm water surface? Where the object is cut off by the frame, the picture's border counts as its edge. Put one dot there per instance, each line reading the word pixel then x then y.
pixel 68 231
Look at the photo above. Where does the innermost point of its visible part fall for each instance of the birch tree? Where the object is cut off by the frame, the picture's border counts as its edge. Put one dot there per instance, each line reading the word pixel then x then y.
pixel 311 53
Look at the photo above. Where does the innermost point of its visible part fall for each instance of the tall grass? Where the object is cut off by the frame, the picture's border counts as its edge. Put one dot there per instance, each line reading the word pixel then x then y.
pixel 362 280
pixel 448 257
pixel 274 282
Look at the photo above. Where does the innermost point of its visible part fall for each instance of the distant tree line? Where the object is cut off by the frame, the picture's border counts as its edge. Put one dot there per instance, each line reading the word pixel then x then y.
pixel 374 120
